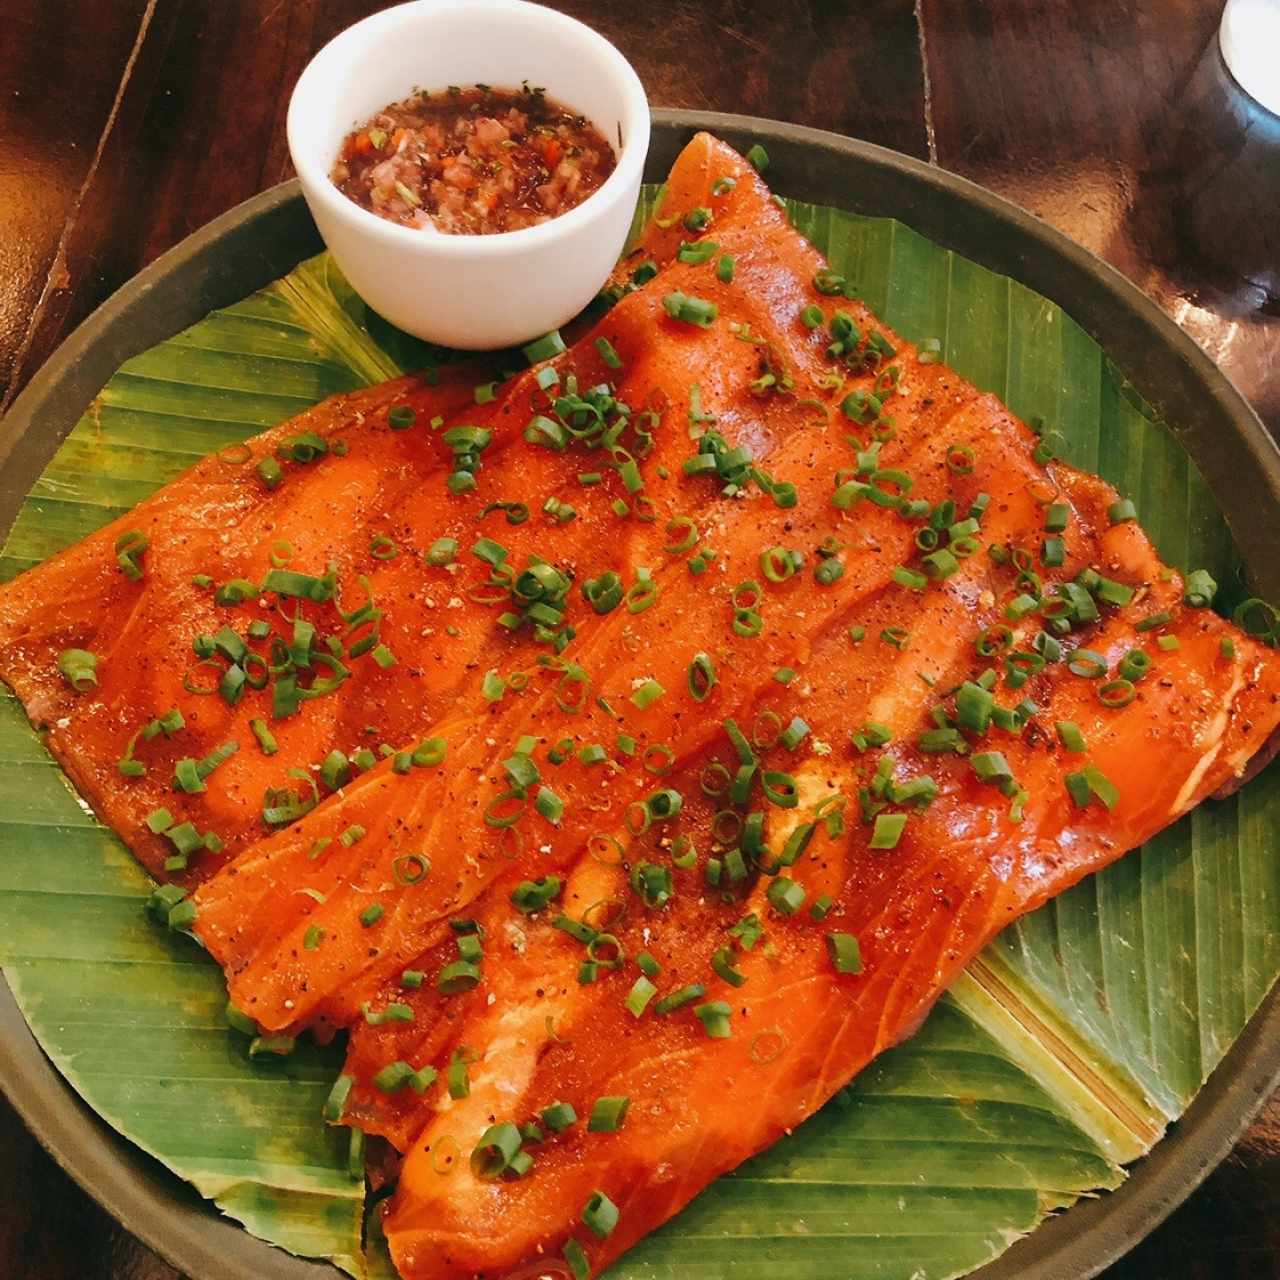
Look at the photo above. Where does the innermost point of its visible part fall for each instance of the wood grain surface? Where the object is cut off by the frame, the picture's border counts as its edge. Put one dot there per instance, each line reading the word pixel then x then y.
pixel 127 124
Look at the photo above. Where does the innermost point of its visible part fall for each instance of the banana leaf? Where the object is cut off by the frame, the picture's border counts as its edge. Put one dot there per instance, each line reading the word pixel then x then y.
pixel 1059 1056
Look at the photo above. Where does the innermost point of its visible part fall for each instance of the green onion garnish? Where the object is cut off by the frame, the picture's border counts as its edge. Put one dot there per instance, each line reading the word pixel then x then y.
pixel 492 1155
pixel 679 998
pixel 79 668
pixel 642 991
pixel 574 1254
pixel 608 353
pixel 544 348
pixel 129 549
pixel 457 1079
pixel 1091 782
pixel 887 830
pixel 1199 589
pixel 647 694
pixel 1088 664
pixel 1113 592
pixel 1117 693
pixel 722 963
pixel 830 283
pixel 845 953
pixel 607 1114
pixel 690 310
pixel 530 896
pixel 786 896
pixel 991 766
pixel 559 1116
pixel 714 1016
pixel 1134 665
pixel 600 1214
pixel 697 251
pixel 459 976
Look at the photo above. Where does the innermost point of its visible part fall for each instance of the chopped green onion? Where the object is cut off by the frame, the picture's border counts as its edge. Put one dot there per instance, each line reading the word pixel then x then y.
pixel 1113 592
pixel 79 668
pixel 559 1116
pixel 600 1214
pixel 277 1046
pixel 544 348
pixel 642 991
pixel 696 251
pixel 991 766
pixel 888 830
pixel 1091 782
pixel 690 310
pixel 1134 665
pixel 1199 589
pixel 647 694
pixel 530 896
pixel 1117 693
pixel 459 976
pixel 785 896
pixel 1154 620
pixel 714 1016
pixel 129 549
pixel 608 353
pixel 702 677
pixel 1087 663
pixel 608 1114
pixel 830 283
pixel 576 1257
pixel 845 953
pixel 498 1146
pixel 722 963
pixel 679 998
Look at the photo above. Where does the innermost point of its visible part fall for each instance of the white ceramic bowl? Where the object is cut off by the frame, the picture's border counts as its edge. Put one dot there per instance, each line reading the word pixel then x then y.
pixel 471 292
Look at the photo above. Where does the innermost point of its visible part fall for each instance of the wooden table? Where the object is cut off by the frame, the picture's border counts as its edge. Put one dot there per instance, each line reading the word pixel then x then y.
pixel 127 124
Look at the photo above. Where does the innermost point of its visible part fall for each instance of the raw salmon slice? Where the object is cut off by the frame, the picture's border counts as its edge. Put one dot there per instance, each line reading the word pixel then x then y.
pixel 371 515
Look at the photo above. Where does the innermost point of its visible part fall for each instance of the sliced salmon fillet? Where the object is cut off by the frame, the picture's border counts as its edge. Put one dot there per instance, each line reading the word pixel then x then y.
pixel 798 1028
pixel 371 513
pixel 253 917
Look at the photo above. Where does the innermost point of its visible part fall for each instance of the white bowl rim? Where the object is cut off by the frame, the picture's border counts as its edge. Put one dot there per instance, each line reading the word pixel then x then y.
pixel 314 173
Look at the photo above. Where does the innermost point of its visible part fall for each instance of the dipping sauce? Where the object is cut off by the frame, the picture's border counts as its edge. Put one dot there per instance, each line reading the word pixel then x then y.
pixel 473 161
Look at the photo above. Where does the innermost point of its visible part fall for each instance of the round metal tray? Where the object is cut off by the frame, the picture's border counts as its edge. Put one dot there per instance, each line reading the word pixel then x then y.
pixel 265 237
